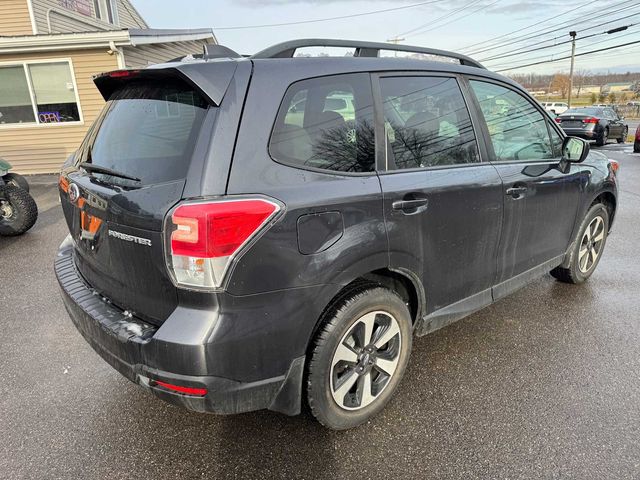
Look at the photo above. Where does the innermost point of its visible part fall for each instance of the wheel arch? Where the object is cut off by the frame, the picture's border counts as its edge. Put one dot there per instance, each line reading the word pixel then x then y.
pixel 402 281
pixel 609 200
pixel 604 195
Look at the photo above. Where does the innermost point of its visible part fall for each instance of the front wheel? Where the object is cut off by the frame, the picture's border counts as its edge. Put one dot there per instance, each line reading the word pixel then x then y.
pixel 623 138
pixel 18 210
pixel 359 357
pixel 587 247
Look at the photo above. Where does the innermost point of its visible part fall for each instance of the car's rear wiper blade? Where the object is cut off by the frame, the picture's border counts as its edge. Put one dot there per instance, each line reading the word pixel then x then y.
pixel 90 167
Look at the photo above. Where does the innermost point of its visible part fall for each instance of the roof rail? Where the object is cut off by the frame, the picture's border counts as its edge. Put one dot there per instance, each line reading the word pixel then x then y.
pixel 362 49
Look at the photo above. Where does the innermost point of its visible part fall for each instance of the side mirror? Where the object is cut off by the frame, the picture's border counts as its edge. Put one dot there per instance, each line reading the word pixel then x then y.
pixel 574 149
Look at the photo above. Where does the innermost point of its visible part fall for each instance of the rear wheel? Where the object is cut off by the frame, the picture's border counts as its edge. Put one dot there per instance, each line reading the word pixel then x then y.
pixel 17 181
pixel 636 147
pixel 603 138
pixel 18 210
pixel 359 357
pixel 587 247
pixel 623 138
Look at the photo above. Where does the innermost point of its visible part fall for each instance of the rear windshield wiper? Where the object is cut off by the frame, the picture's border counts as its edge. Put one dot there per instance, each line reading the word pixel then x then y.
pixel 90 167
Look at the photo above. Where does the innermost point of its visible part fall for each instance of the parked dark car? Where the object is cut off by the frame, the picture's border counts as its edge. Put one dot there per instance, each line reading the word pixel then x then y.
pixel 233 248
pixel 594 123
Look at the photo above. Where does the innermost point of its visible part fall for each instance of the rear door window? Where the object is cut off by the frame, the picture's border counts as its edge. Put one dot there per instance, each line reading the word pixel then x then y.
pixel 326 123
pixel 148 131
pixel 427 123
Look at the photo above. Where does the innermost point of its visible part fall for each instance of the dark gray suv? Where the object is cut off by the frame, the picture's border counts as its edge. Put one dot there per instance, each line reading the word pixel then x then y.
pixel 257 233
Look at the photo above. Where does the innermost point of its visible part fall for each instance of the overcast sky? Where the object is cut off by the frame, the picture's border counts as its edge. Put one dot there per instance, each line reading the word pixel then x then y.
pixel 445 24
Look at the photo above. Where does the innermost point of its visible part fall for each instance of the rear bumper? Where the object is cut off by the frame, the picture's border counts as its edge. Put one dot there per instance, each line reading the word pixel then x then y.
pixel 141 352
pixel 582 133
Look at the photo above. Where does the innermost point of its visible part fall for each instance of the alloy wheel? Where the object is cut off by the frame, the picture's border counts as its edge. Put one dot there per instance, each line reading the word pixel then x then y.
pixel 365 360
pixel 591 244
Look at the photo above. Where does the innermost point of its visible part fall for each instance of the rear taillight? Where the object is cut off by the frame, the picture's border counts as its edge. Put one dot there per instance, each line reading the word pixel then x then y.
pixel 590 120
pixel 195 392
pixel 123 73
pixel 558 120
pixel 202 239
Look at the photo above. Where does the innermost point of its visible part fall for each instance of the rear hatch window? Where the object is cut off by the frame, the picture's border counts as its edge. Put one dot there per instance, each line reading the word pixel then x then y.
pixel 129 172
pixel 148 131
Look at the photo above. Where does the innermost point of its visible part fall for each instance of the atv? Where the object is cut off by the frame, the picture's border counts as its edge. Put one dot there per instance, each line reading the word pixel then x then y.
pixel 18 209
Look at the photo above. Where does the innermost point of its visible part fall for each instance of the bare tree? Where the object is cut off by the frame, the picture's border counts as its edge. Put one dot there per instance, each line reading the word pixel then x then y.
pixel 580 79
pixel 560 83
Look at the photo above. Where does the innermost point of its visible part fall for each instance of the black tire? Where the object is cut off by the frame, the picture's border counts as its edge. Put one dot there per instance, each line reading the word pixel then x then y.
pixel 339 321
pixel 18 211
pixel 636 146
pixel 603 138
pixel 573 273
pixel 17 181
pixel 623 138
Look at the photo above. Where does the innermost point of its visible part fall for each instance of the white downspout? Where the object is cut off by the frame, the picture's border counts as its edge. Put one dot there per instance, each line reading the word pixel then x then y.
pixel 113 50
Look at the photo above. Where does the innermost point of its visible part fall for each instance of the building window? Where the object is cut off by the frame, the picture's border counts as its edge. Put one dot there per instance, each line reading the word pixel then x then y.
pixel 38 93
pixel 96 8
pixel 15 100
pixel 112 10
pixel 107 11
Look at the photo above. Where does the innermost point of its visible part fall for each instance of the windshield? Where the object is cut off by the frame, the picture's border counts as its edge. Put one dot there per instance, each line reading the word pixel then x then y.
pixel 148 131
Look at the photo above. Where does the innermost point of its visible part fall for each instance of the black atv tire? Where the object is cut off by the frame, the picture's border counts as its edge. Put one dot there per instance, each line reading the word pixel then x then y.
pixel 18 210
pixel 17 181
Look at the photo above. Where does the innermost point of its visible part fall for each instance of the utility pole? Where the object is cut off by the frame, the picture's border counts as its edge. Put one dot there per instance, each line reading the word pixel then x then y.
pixel 572 34
pixel 396 40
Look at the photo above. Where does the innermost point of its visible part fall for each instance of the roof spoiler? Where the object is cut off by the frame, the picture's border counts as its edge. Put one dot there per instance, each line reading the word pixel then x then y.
pixel 210 79
pixel 210 51
pixel 362 49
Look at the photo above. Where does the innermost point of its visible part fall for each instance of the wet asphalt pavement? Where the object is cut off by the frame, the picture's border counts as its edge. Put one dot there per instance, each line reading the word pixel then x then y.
pixel 543 384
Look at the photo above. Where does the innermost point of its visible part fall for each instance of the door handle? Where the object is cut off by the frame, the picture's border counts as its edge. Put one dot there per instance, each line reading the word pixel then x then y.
pixel 410 204
pixel 517 192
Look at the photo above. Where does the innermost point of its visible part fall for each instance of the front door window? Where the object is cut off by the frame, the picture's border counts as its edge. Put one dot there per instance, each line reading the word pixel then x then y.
pixel 518 130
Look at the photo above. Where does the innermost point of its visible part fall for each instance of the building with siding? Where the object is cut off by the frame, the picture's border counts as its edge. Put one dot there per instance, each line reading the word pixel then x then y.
pixel 49 52
pixel 617 87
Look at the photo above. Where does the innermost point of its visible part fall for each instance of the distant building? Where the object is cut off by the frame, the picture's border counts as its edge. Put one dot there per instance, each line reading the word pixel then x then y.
pixel 586 89
pixel 616 87
pixel 49 52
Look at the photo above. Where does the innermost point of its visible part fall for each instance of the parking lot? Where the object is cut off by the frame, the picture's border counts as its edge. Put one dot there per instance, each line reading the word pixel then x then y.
pixel 543 384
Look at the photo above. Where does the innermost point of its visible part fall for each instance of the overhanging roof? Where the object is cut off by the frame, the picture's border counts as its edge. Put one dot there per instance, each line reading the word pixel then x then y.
pixel 102 38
